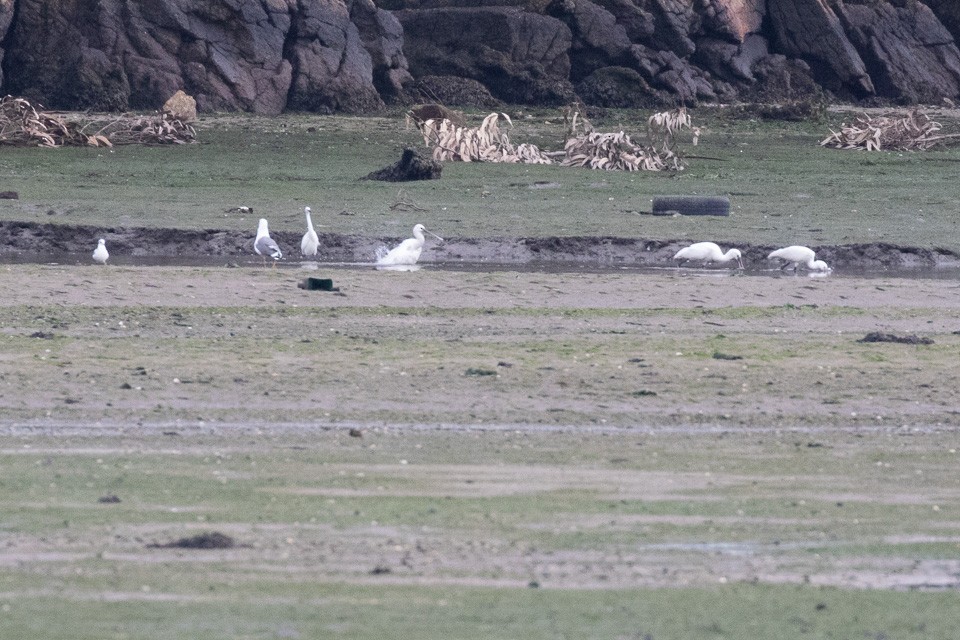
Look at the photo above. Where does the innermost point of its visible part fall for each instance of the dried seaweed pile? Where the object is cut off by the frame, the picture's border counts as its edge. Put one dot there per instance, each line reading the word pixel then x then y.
pixel 486 143
pixel 584 147
pixel 914 131
pixel 161 128
pixel 612 151
pixel 616 151
pixel 21 124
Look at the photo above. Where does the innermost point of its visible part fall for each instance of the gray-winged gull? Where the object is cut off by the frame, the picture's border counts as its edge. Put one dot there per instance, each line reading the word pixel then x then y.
pixel 264 244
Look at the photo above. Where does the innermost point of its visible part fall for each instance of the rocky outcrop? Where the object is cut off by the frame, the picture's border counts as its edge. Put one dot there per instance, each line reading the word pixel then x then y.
pixel 6 16
pixel 618 87
pixel 181 107
pixel 597 39
pixel 676 79
pixel 732 62
pixel 809 29
pixel 521 57
pixel 910 55
pixel 948 12
pixel 734 20
pixel 675 22
pixel 352 55
pixel 331 69
pixel 465 92
pixel 898 51
pixel 258 55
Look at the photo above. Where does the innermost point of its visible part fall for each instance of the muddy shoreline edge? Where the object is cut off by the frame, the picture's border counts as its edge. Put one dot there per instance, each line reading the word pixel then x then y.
pixel 20 237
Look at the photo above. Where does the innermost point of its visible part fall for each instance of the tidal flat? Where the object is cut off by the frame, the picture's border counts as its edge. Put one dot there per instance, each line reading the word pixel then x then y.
pixel 499 452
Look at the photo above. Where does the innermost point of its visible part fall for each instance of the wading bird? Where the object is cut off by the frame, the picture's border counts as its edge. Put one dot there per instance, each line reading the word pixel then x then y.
pixel 407 252
pixel 310 241
pixel 264 244
pixel 797 255
pixel 707 252
pixel 100 253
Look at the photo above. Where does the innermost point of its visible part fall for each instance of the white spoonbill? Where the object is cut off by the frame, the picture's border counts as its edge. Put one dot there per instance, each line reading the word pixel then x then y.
pixel 797 255
pixel 408 251
pixel 310 241
pixel 708 252
pixel 100 253
pixel 264 244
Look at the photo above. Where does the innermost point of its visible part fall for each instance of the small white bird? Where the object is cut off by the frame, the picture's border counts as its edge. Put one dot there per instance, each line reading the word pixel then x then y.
pixel 708 252
pixel 310 241
pixel 797 255
pixel 264 244
pixel 100 254
pixel 408 251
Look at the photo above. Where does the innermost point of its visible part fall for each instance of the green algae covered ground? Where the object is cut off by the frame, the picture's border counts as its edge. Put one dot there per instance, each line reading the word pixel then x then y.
pixel 467 454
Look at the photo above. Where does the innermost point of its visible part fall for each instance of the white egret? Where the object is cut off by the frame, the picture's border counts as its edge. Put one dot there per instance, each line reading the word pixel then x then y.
pixel 408 251
pixel 100 254
pixel 797 255
pixel 310 241
pixel 707 252
pixel 264 244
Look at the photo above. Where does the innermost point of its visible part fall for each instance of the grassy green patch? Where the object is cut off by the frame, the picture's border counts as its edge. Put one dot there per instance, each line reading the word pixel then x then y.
pixel 784 187
pixel 217 609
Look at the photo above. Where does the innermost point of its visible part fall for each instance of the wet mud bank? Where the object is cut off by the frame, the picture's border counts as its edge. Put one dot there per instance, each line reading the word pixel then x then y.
pixel 29 238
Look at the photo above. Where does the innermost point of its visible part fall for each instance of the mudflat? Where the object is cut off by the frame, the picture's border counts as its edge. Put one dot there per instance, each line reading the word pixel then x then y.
pixel 454 347
pixel 549 447
pixel 468 448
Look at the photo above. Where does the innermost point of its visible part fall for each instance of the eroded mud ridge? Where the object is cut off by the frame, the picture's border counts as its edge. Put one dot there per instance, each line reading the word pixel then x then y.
pixel 45 239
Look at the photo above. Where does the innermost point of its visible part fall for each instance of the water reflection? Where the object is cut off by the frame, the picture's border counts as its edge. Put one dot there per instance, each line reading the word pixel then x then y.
pixel 254 262
pixel 398 267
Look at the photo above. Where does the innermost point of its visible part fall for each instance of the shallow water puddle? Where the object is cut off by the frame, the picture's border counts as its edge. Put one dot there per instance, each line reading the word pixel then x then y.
pixel 551 267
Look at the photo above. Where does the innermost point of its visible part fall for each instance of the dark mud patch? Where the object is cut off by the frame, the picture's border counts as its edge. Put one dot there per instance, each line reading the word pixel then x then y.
pixel 211 540
pixel 411 166
pixel 877 336
pixel 31 238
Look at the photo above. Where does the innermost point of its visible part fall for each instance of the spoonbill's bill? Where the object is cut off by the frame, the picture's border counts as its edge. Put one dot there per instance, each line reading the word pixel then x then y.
pixel 796 256
pixel 310 241
pixel 707 252
pixel 408 251
pixel 100 253
pixel 264 244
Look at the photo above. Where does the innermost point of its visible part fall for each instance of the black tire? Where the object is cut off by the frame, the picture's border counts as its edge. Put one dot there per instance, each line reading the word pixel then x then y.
pixel 691 205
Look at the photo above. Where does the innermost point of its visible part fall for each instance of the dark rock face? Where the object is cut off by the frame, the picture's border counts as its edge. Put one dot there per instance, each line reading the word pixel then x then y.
pixel 6 16
pixel 465 92
pixel 326 56
pixel 910 55
pixel 597 39
pixel 521 57
pixel 948 12
pixel 674 21
pixel 617 87
pixel 896 50
pixel 734 20
pixel 382 37
pixel 328 59
pixel 809 29
pixel 229 55
pixel 732 62
pixel 411 166
pixel 676 79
